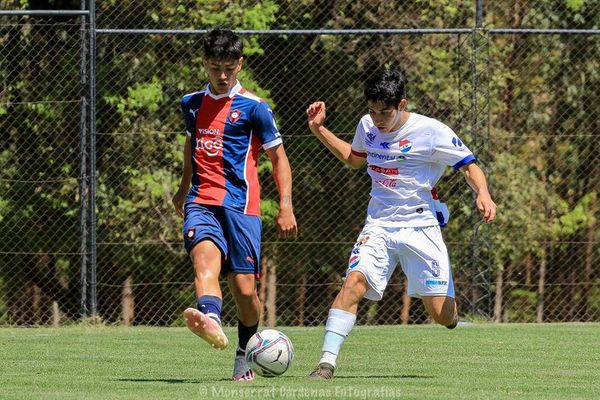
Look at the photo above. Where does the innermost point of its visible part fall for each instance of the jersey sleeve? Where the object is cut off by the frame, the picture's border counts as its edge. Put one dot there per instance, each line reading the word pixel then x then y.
pixel 188 115
pixel 448 149
pixel 358 143
pixel 264 126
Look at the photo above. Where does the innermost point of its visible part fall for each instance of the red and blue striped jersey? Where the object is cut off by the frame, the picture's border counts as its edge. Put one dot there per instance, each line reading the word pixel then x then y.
pixel 226 133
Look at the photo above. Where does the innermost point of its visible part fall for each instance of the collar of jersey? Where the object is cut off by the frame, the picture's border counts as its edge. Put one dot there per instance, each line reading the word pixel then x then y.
pixel 232 92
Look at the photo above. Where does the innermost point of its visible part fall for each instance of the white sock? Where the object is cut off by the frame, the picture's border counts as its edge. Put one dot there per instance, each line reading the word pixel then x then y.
pixel 339 324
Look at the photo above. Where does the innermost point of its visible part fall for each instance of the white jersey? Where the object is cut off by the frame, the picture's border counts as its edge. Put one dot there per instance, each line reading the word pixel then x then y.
pixel 404 166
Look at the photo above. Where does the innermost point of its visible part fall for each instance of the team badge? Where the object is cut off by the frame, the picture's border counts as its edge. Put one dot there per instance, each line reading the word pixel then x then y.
pixel 435 268
pixel 190 234
pixel 234 116
pixel 405 145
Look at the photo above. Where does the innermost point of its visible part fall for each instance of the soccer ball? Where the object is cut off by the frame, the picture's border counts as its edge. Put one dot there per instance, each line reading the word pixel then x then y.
pixel 269 353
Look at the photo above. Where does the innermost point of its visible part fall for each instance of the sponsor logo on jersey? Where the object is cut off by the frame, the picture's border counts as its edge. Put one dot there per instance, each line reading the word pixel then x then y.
pixel 405 145
pixel 436 282
pixel 401 158
pixel 211 147
pixel 435 268
pixel 370 136
pixel 381 156
pixel 353 262
pixel 249 259
pixel 381 170
pixel 234 116
pixel 209 132
pixel 456 142
pixel 385 145
pixel 390 183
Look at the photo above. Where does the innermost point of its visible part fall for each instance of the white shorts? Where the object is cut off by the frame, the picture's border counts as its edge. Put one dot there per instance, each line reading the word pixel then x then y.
pixel 421 252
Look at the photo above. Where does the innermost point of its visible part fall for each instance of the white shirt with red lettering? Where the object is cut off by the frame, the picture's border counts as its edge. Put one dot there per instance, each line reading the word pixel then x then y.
pixel 404 166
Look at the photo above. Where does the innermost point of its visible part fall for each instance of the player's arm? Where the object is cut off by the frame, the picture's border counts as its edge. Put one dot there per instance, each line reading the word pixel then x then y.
pixel 476 179
pixel 341 149
pixel 282 174
pixel 184 185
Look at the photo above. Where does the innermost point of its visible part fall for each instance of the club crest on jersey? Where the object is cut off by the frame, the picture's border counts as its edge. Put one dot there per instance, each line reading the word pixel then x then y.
pixel 405 145
pixel 234 116
pixel 435 268
pixel 190 234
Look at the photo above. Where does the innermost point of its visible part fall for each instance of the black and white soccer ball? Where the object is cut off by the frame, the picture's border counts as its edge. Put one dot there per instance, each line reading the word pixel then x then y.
pixel 269 353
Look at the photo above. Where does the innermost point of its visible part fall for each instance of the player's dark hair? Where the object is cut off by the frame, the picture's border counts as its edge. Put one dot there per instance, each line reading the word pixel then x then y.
pixel 387 86
pixel 222 44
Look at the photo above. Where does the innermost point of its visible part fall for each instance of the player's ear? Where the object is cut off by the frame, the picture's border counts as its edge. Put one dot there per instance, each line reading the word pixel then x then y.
pixel 402 105
pixel 240 63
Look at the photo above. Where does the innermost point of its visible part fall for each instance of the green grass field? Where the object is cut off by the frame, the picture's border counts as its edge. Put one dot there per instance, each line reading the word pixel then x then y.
pixel 481 361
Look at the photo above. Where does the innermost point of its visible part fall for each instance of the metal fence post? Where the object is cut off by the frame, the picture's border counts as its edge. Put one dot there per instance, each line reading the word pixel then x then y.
pixel 92 161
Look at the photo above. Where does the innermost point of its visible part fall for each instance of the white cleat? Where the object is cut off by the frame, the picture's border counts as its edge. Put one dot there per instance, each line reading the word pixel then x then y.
pixel 205 327
pixel 241 370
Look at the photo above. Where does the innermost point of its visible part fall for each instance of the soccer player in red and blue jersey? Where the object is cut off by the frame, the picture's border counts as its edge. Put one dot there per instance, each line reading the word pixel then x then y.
pixel 226 127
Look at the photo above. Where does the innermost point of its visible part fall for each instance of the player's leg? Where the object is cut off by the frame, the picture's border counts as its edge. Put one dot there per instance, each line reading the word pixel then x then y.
pixel 340 322
pixel 442 309
pixel 206 320
pixel 244 233
pixel 206 247
pixel 243 289
pixel 369 268
pixel 426 264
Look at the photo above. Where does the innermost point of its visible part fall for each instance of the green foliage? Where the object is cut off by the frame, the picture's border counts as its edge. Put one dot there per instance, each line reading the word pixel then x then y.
pixel 522 305
pixel 542 92
pixel 142 96
pixel 580 217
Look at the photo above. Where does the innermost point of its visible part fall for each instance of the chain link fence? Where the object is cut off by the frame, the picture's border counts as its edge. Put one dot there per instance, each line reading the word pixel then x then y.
pixel 525 102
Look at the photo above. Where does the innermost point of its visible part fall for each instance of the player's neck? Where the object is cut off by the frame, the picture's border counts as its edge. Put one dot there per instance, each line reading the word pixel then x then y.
pixel 401 121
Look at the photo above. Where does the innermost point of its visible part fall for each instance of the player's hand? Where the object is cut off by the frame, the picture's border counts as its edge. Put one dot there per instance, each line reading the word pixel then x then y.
pixel 286 224
pixel 316 113
pixel 486 206
pixel 178 201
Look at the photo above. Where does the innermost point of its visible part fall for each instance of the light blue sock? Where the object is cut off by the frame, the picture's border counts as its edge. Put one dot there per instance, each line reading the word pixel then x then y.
pixel 339 324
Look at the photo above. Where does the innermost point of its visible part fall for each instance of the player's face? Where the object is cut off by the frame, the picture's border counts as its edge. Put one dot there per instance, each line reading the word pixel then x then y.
pixel 222 74
pixel 385 117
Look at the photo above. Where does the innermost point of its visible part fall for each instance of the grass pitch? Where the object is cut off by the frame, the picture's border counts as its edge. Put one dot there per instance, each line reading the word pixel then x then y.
pixel 481 361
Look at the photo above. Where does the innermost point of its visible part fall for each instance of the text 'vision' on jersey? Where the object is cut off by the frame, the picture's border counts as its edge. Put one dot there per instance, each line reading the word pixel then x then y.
pixel 226 133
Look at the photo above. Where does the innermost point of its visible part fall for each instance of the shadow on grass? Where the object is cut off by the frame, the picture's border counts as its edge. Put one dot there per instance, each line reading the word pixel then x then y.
pixel 384 377
pixel 278 379
pixel 171 381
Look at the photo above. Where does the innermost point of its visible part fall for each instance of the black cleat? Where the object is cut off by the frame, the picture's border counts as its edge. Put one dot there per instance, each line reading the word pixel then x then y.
pixel 323 371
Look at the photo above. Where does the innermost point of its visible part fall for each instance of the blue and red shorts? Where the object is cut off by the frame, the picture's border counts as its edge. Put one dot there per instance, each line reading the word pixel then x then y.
pixel 237 235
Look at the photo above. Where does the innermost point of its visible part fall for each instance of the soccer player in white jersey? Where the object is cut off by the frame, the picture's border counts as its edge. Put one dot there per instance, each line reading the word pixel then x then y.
pixel 406 154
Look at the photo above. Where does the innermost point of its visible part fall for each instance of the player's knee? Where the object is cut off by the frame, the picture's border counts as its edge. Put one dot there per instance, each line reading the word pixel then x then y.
pixel 245 293
pixel 353 290
pixel 205 264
